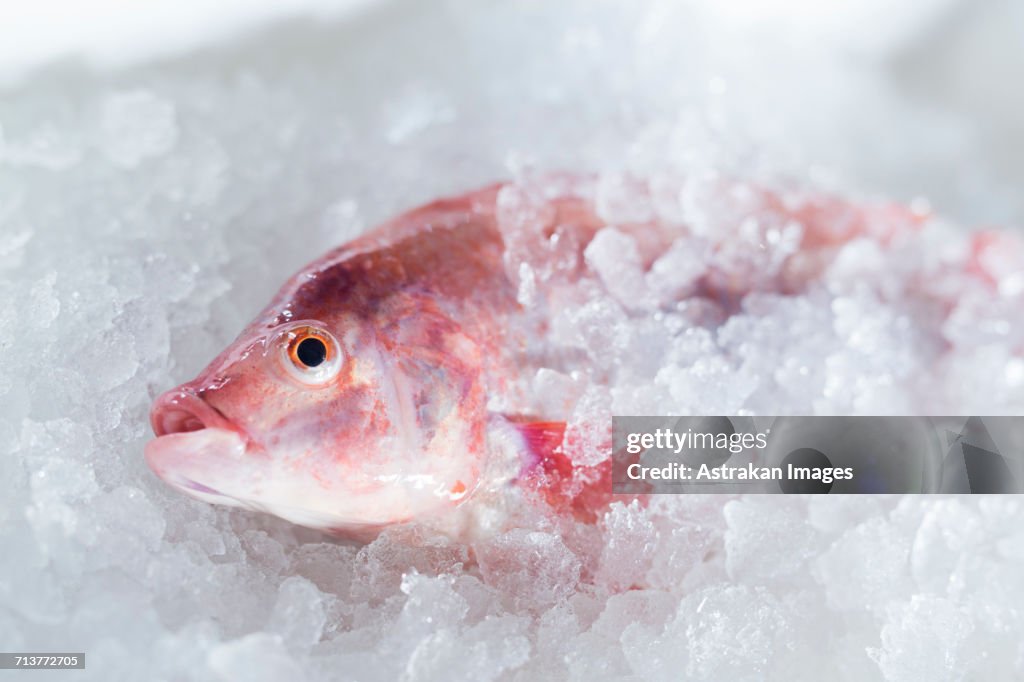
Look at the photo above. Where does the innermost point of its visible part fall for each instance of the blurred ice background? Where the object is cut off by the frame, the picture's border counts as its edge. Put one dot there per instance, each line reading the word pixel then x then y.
pixel 163 167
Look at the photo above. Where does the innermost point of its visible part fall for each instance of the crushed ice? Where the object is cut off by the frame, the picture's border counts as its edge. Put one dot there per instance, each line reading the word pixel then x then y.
pixel 146 215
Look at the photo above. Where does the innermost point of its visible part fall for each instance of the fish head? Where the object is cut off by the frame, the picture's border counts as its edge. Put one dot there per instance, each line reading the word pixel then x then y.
pixel 345 422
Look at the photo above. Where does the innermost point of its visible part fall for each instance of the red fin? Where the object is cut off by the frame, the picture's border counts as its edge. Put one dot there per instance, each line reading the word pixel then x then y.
pixel 579 490
pixel 543 440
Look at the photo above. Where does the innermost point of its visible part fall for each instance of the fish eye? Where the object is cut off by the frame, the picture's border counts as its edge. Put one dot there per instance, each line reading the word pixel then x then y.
pixel 311 351
pixel 311 354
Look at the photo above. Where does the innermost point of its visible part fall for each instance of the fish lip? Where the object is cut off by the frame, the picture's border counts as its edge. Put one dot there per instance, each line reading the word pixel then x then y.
pixel 181 411
pixel 173 459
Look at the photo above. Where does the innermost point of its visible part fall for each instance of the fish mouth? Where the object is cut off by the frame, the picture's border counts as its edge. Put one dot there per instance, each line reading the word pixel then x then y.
pixel 182 411
pixel 197 450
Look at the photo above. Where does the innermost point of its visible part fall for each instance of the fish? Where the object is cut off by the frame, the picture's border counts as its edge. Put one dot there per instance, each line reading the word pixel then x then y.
pixel 380 385
pixel 358 399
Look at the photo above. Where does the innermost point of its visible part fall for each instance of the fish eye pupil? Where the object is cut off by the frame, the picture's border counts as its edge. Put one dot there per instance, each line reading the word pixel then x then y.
pixel 311 352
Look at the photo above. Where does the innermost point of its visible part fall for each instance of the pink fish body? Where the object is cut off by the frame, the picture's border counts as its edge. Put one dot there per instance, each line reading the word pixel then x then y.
pixel 357 398
pixel 362 396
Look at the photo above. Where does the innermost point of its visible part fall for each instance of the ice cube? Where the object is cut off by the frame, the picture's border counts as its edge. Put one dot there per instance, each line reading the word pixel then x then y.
pixel 867 567
pixel 534 569
pixel 299 614
pixel 925 638
pixel 613 255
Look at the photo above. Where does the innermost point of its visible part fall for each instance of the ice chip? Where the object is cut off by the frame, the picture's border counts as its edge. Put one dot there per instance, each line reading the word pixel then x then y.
pixel 258 656
pixel 299 615
pixel 629 542
pixel 768 540
pixel 535 569
pixel 621 199
pixel 866 567
pixel 136 125
pixel 674 275
pixel 614 256
pixel 925 638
